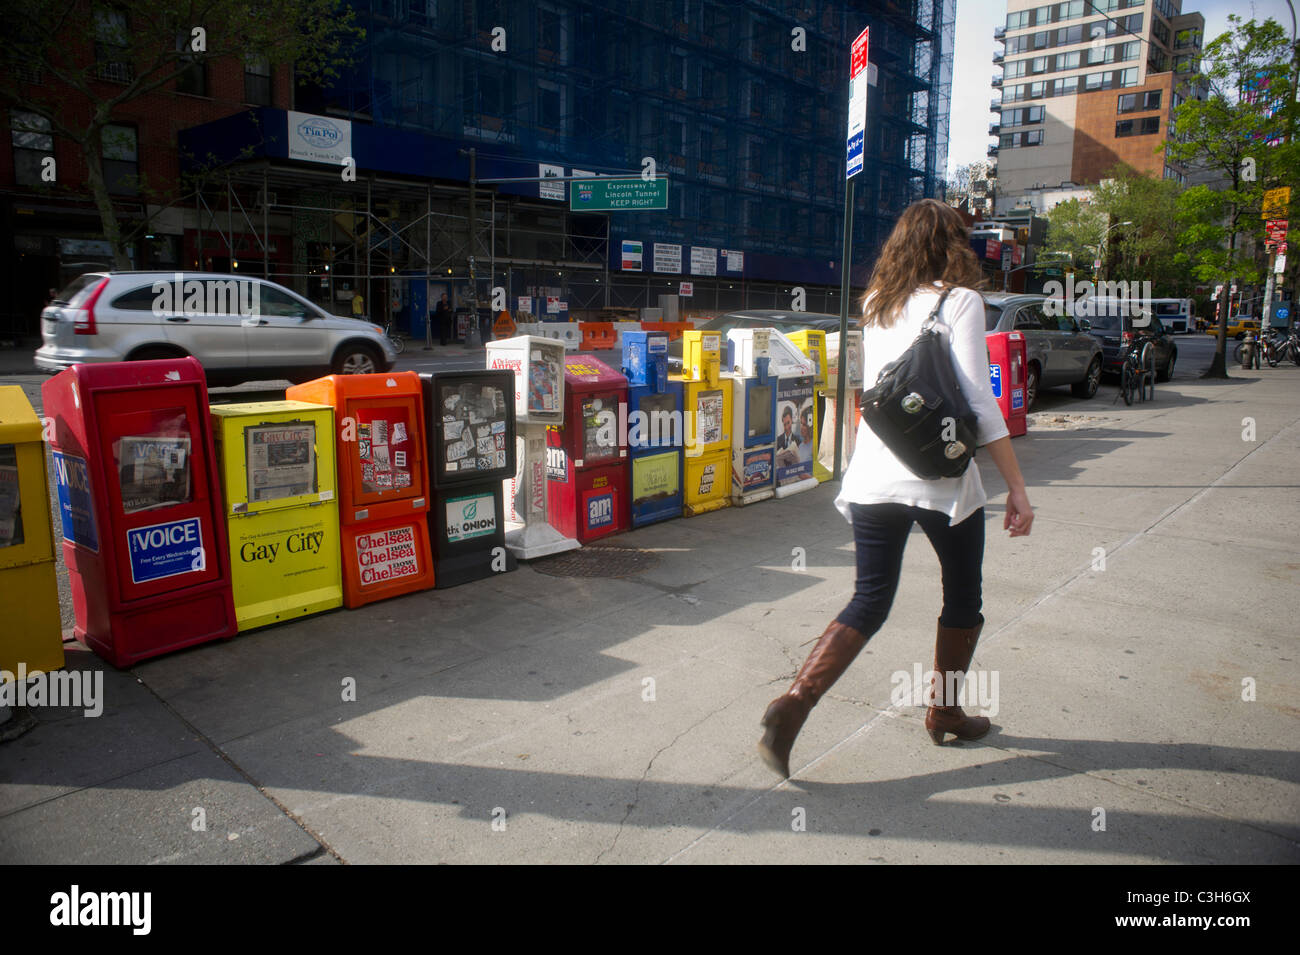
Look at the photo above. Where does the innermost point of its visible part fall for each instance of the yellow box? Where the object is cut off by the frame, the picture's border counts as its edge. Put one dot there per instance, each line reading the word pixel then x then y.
pixel 278 475
pixel 29 593
pixel 708 483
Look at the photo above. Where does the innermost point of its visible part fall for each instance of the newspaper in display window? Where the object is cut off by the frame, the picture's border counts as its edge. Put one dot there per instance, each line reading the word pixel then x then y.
pixel 11 516
pixel 281 460
pixel 544 382
pixel 153 470
pixel 709 424
pixel 473 427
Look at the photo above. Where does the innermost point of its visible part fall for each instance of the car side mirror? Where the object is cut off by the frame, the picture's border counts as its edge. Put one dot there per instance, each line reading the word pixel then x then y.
pixel 1084 325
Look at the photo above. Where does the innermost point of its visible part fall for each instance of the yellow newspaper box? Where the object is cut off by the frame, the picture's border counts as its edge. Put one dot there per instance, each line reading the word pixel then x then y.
pixel 812 342
pixel 707 407
pixel 31 639
pixel 278 472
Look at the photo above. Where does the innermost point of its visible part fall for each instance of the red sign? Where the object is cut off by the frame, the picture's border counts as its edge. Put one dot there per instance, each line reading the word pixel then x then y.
pixel 686 289
pixel 858 56
pixel 1275 230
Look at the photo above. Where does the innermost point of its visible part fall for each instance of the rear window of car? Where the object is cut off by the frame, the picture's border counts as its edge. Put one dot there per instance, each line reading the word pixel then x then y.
pixel 78 289
pixel 992 315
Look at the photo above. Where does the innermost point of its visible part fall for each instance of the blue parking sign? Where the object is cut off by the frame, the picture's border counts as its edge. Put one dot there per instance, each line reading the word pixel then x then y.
pixel 995 379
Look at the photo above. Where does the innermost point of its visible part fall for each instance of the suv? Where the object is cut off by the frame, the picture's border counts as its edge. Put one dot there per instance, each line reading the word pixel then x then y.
pixel 1115 328
pixel 240 328
pixel 1057 351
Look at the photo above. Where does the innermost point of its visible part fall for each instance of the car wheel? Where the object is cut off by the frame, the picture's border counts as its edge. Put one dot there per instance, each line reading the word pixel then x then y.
pixel 1031 388
pixel 1166 373
pixel 357 360
pixel 1088 387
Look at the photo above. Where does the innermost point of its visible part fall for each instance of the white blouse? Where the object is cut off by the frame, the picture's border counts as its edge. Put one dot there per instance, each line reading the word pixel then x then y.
pixel 875 475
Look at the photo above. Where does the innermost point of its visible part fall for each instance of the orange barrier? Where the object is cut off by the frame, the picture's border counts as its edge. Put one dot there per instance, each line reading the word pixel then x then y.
pixel 597 336
pixel 674 329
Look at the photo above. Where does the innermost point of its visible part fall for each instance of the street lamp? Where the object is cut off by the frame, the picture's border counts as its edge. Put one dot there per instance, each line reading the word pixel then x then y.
pixel 1102 244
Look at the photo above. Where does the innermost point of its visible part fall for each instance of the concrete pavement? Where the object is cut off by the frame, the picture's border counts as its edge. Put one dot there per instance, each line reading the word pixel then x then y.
pixel 539 718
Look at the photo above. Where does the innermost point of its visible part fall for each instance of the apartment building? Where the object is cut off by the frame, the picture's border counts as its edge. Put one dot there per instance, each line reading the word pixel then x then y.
pixel 1085 85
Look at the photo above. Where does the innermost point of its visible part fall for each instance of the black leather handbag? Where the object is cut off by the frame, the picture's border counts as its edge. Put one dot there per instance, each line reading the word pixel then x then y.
pixel 917 409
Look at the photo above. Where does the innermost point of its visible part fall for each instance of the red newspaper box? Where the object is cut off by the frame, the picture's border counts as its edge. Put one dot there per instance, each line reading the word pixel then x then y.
pixel 383 481
pixel 586 457
pixel 1007 376
pixel 144 533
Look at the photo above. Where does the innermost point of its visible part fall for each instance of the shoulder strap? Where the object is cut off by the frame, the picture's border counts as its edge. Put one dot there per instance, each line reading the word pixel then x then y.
pixel 933 318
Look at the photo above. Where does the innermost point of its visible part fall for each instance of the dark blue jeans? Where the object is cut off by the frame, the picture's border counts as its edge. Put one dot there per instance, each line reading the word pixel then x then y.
pixel 880 534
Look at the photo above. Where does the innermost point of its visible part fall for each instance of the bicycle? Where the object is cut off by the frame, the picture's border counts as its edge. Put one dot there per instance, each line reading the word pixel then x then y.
pixel 394 336
pixel 1284 345
pixel 1263 351
pixel 1137 375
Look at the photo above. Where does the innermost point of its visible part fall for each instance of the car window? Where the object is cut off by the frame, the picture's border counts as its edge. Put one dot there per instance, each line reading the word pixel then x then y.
pixel 992 315
pixel 1029 318
pixel 275 302
pixel 79 288
pixel 142 299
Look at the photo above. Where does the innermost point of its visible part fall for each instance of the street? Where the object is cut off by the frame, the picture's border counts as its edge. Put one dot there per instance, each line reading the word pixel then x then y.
pixel 603 706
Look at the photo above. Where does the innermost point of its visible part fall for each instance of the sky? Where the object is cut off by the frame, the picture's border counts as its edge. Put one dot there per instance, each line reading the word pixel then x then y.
pixel 973 68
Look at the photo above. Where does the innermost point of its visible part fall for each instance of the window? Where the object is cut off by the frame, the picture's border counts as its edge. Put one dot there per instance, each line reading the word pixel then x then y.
pixel 549 110
pixel 1067 35
pixel 1067 86
pixel 32 143
pixel 272 301
pixel 1124 127
pixel 1160 32
pixel 1039 65
pixel 1042 40
pixel 1151 99
pixel 1033 137
pixel 1150 125
pixel 1014 70
pixel 111 39
pixel 1127 103
pixel 121 160
pixel 194 79
pixel 1037 90
pixel 1029 318
pixel 257 80
pixel 1092 81
pixel 1067 61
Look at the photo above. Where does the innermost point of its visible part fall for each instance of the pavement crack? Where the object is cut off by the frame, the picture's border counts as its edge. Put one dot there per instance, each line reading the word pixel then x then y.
pixel 636 793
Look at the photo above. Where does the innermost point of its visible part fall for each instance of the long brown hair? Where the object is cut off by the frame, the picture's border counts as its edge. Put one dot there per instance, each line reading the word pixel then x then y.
pixel 928 244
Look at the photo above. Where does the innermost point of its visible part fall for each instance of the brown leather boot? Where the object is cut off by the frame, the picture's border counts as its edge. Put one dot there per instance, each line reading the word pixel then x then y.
pixel 786 714
pixel 953 649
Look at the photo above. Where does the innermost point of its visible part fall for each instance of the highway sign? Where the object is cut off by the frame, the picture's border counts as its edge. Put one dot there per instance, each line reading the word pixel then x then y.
pixel 616 194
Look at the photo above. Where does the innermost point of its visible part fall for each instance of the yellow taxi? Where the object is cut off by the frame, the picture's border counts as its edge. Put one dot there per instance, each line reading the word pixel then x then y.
pixel 1237 326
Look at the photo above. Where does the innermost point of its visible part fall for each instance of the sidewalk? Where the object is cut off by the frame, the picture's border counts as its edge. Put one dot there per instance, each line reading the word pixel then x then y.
pixel 615 719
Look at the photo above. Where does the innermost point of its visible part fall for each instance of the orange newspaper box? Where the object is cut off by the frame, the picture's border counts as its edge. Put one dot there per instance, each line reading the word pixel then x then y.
pixel 383 477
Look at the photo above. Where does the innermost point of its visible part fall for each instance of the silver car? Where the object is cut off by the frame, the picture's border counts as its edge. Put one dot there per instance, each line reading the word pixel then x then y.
pixel 1057 351
pixel 240 328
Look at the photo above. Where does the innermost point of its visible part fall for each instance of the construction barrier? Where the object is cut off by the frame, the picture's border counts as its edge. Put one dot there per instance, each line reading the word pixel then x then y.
pixel 566 332
pixel 674 329
pixel 597 336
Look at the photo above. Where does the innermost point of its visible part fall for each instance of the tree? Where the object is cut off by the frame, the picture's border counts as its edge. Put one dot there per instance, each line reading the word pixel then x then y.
pixel 1235 133
pixel 99 55
pixel 1148 250
pixel 962 184
pixel 1076 228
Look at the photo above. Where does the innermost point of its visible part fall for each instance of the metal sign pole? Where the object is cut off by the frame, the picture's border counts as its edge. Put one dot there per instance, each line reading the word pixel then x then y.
pixel 846 268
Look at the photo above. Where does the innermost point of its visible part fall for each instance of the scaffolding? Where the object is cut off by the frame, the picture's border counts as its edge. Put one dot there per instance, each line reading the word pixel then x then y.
pixel 741 104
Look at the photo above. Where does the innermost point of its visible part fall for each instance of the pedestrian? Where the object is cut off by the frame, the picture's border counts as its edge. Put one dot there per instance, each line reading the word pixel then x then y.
pixel 443 318
pixel 927 252
pixel 358 305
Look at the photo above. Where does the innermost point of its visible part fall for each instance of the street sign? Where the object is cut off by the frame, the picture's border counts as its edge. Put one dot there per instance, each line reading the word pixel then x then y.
pixel 1280 265
pixel 686 289
pixel 504 326
pixel 1006 257
pixel 1275 230
pixel 1276 202
pixel 858 77
pixel 615 194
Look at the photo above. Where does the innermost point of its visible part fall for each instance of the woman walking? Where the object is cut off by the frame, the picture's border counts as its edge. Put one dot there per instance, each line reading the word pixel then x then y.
pixel 925 256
